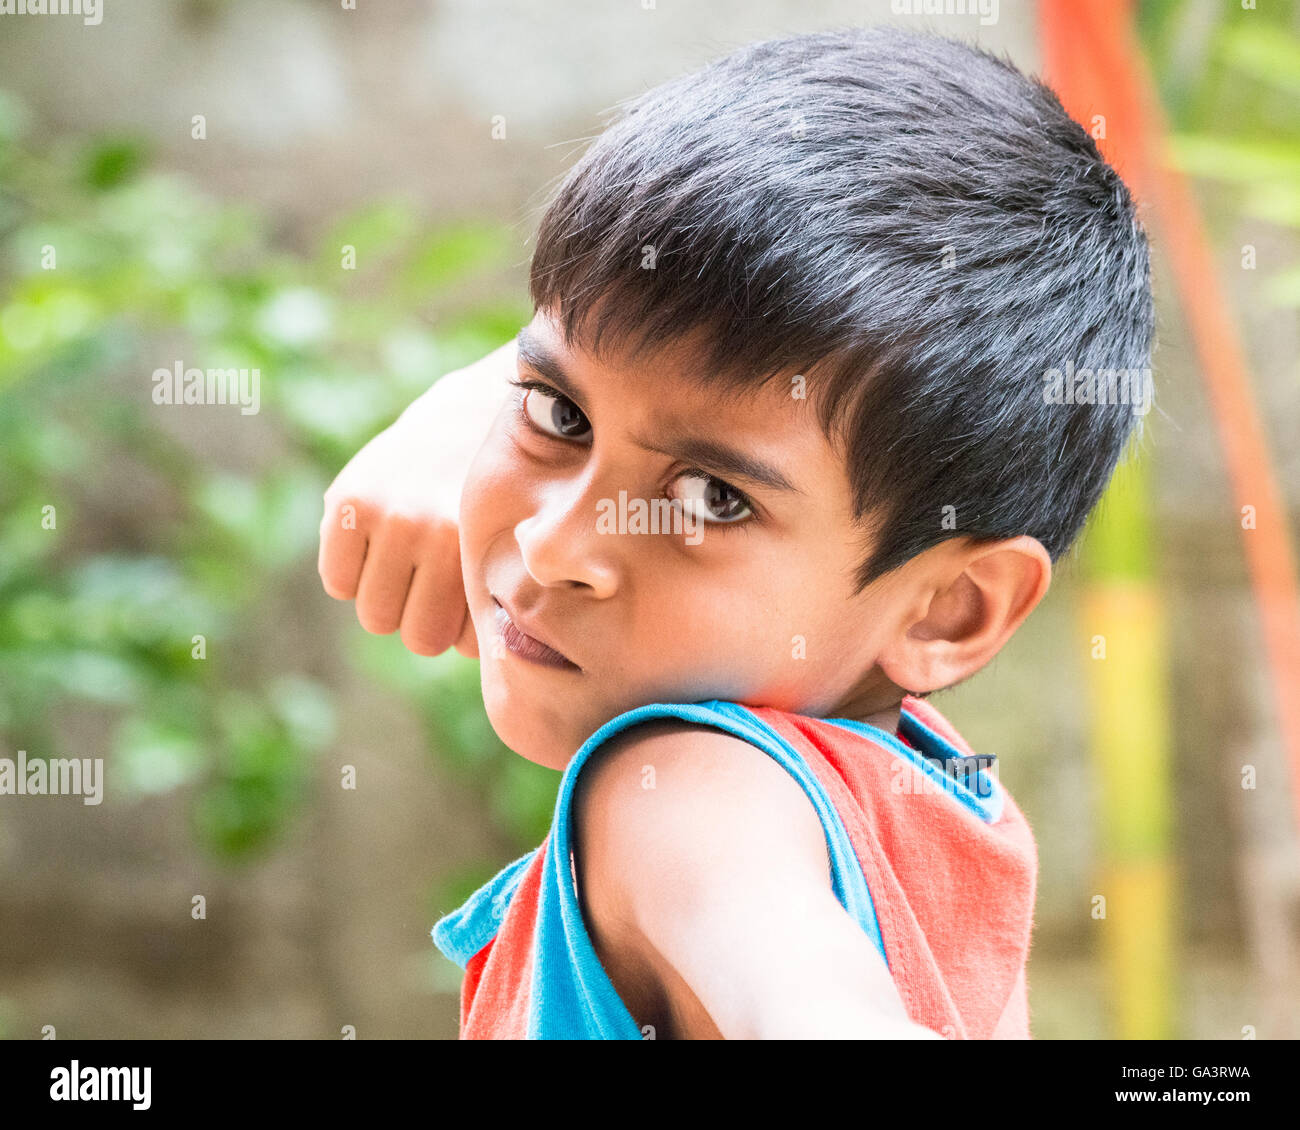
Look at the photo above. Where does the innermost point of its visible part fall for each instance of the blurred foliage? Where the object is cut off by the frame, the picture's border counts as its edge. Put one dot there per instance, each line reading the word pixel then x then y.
pixel 1229 80
pixel 166 529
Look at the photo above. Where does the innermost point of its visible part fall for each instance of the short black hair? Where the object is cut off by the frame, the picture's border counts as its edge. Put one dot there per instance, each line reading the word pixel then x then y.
pixel 911 221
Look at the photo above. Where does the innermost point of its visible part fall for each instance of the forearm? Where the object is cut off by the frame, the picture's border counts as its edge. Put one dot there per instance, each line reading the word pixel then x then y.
pixel 457 412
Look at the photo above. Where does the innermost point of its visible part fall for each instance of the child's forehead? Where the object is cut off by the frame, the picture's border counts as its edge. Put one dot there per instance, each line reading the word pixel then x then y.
pixel 670 374
pixel 619 350
pixel 662 393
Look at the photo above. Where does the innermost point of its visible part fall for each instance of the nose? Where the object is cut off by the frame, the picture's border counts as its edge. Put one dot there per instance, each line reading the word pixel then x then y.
pixel 560 544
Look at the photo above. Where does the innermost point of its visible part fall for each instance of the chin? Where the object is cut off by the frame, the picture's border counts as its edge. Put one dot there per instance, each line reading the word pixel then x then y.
pixel 534 734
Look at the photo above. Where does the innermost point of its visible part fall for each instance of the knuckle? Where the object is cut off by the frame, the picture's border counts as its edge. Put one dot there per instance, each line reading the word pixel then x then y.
pixel 338 507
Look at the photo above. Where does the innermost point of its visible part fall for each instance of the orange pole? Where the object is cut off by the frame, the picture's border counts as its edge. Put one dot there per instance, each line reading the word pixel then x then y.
pixel 1094 62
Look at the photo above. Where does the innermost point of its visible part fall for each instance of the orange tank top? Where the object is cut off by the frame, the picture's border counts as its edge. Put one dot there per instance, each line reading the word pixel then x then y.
pixel 929 855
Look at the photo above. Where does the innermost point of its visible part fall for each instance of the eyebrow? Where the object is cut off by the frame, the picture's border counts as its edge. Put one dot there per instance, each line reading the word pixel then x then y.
pixel 710 454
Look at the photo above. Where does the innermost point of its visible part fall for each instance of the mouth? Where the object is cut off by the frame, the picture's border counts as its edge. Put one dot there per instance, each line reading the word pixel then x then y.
pixel 520 643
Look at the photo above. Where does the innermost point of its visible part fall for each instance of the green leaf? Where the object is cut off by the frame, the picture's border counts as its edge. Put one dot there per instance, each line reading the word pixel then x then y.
pixel 156 757
pixel 305 709
pixel 1278 202
pixel 1268 54
pixel 1236 159
pixel 449 256
pixel 113 163
pixel 375 231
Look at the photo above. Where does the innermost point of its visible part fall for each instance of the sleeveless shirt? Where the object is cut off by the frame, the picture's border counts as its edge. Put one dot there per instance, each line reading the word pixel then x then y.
pixel 929 854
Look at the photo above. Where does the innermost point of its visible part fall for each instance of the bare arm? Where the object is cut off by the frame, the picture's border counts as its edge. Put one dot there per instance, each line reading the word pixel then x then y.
pixel 717 882
pixel 389 535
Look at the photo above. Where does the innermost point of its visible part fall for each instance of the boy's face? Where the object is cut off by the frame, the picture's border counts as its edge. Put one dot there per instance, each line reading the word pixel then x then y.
pixel 751 601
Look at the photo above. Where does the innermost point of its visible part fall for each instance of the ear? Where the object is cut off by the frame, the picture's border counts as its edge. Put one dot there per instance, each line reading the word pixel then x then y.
pixel 971 597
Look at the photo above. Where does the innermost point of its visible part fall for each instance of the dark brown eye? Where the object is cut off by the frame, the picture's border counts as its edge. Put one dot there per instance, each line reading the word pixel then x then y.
pixel 712 499
pixel 556 415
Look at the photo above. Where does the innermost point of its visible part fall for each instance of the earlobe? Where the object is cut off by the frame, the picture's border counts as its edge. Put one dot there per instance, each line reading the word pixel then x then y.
pixel 977 598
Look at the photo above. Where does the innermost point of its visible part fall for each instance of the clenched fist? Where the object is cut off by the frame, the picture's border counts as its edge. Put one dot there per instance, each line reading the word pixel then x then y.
pixel 389 538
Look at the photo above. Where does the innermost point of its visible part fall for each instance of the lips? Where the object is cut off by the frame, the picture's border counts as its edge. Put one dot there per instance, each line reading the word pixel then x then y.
pixel 525 644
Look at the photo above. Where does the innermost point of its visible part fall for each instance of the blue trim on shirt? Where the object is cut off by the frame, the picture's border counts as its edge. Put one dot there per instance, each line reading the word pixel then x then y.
pixel 571 995
pixel 466 930
pixel 985 800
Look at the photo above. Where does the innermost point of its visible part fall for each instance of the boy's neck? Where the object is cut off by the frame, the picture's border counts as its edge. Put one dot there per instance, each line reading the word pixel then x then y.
pixel 875 701
pixel 886 720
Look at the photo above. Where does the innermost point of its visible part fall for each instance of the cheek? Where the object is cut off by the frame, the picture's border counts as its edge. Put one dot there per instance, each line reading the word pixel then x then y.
pixel 731 624
pixel 777 633
pixel 492 499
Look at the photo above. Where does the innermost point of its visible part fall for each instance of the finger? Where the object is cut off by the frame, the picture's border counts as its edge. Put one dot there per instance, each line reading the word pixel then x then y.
pixel 435 606
pixel 385 579
pixel 342 552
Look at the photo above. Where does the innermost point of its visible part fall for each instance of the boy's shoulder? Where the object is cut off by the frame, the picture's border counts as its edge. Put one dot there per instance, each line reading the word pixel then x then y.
pixel 688 790
pixel 700 866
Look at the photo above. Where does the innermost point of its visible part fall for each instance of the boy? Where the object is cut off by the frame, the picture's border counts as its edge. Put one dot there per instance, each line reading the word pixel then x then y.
pixel 809 298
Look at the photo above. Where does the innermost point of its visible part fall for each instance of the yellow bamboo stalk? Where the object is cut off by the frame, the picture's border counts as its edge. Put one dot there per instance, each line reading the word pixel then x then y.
pixel 1122 615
